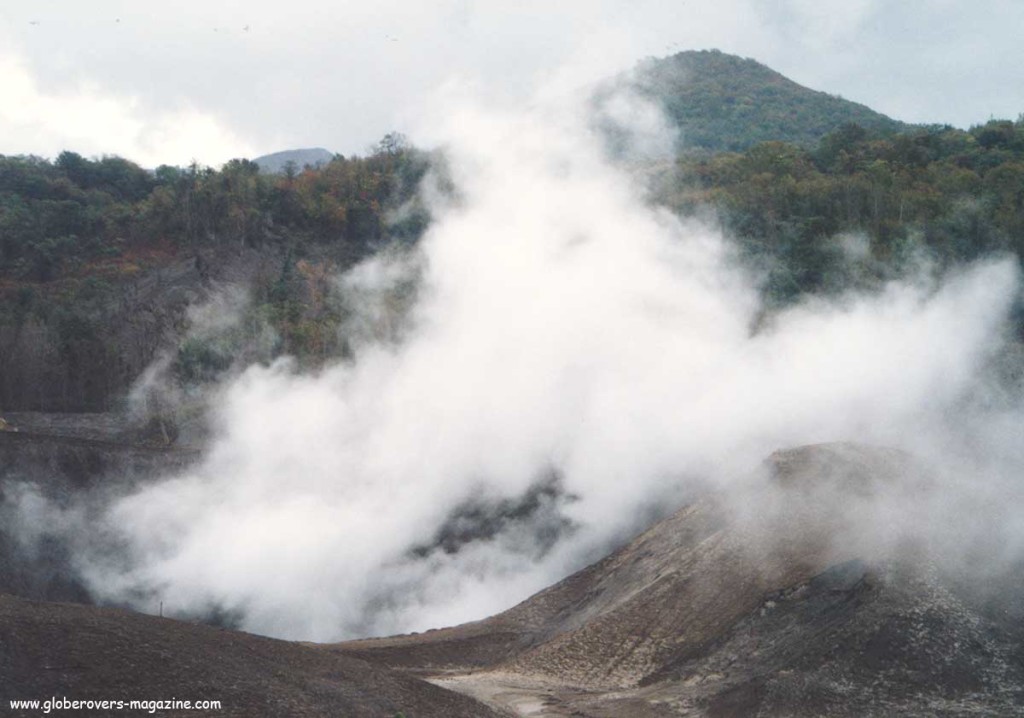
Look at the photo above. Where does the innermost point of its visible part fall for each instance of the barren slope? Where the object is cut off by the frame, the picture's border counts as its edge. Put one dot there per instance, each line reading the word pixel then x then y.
pixel 83 652
pixel 775 612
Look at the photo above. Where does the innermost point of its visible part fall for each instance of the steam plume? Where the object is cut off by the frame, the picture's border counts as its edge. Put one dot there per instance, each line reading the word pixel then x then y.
pixel 574 357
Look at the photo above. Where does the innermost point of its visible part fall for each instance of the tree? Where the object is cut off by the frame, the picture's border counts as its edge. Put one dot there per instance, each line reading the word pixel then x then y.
pixel 392 144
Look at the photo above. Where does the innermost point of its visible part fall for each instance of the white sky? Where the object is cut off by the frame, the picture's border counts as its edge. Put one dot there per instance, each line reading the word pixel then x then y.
pixel 171 82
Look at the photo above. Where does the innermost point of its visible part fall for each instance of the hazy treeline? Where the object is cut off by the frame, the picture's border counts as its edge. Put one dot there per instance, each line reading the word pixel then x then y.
pixel 861 207
pixel 66 216
pixel 858 208
pixel 99 257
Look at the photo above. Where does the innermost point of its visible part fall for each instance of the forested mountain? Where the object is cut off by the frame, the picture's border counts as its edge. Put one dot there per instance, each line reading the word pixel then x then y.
pixel 99 258
pixel 724 102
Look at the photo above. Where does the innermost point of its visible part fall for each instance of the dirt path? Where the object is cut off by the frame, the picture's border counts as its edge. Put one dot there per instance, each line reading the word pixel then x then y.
pixel 511 694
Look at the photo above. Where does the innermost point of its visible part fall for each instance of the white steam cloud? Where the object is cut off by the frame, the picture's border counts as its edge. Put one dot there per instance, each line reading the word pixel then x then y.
pixel 565 335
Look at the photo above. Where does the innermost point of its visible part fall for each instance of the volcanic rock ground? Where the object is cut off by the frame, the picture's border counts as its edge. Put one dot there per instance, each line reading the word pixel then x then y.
pixel 711 614
pixel 773 608
pixel 84 652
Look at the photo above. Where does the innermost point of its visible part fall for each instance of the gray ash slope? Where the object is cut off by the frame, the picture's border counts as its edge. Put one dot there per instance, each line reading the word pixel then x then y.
pixel 781 613
pixel 83 653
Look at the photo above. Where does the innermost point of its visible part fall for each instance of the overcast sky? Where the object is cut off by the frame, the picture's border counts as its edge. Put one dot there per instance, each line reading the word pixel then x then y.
pixel 171 82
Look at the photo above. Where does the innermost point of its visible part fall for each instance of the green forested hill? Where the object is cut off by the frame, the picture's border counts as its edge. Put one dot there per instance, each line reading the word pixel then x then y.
pixel 724 102
pixel 99 258
pixel 941 194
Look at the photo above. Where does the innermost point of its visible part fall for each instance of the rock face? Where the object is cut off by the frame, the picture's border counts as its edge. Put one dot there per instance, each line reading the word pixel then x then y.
pixel 766 609
pixel 67 460
pixel 47 368
pixel 41 370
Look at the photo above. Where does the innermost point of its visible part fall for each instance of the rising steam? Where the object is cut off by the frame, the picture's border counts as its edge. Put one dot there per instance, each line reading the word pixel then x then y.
pixel 574 359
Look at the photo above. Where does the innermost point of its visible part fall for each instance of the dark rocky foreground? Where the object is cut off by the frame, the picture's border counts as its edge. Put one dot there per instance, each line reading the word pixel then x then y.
pixel 84 652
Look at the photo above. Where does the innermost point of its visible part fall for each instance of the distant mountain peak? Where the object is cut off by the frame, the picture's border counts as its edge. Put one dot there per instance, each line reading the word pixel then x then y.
pixel 276 162
pixel 725 102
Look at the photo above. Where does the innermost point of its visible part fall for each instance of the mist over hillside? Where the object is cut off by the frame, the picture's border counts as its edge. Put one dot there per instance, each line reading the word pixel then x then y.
pixel 525 387
pixel 411 390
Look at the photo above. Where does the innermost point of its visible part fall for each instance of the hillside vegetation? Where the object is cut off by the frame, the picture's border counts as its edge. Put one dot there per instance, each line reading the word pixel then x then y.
pixel 857 209
pixel 99 258
pixel 724 102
